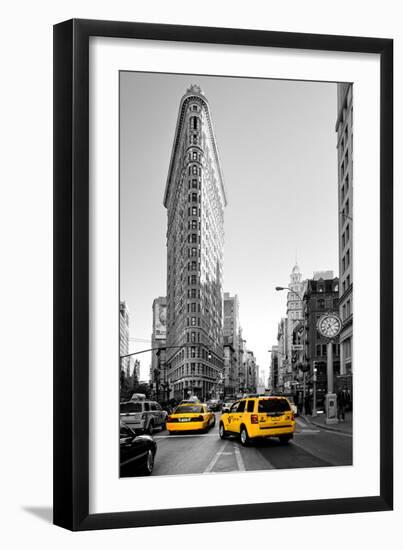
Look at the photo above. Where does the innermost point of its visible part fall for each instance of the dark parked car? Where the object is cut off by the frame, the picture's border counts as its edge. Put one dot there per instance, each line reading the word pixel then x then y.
pixel 137 452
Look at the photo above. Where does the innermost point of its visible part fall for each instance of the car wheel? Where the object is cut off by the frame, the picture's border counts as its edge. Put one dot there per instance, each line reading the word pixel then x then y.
pixel 150 429
pixel 284 439
pixel 149 463
pixel 221 431
pixel 244 436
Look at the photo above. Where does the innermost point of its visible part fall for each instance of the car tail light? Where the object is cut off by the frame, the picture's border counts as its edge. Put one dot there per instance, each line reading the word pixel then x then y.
pixel 292 416
pixel 169 419
pixel 254 419
pixel 198 418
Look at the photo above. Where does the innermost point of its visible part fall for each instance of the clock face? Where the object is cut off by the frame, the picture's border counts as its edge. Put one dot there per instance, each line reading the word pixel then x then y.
pixel 329 325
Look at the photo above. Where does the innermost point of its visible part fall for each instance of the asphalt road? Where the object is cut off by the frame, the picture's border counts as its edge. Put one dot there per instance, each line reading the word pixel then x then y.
pixel 311 447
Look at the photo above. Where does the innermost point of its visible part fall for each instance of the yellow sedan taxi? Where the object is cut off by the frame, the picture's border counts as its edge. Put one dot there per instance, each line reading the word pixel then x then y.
pixel 256 417
pixel 190 417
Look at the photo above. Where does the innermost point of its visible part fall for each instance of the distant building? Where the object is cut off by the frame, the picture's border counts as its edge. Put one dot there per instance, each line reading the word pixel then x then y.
pixel 124 338
pixel 195 199
pixel 231 319
pixel 294 316
pixel 274 366
pixel 135 369
pixel 230 375
pixel 321 296
pixel 250 372
pixel 344 129
pixel 158 336
pixel 231 332
pixel 241 375
pixel 284 364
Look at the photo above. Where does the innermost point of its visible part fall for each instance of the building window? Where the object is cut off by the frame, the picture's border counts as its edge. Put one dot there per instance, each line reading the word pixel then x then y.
pixel 347 348
pixel 194 170
pixel 195 122
pixel 348 257
pixel 194 210
pixel 194 251
pixel 194 184
pixel 194 197
pixel 193 321
pixel 194 155
pixel 321 304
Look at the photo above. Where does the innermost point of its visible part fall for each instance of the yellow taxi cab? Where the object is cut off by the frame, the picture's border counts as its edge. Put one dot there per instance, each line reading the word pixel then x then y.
pixel 256 417
pixel 190 417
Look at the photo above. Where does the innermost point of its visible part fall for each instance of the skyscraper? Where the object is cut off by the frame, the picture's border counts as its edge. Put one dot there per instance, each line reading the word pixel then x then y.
pixel 195 199
pixel 124 336
pixel 344 129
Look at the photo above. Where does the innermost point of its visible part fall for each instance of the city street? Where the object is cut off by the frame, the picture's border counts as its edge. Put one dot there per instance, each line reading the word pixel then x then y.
pixel 311 447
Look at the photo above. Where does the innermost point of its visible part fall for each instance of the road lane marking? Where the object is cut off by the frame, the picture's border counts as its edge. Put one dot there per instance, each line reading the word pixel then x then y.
pixel 215 458
pixel 239 459
pixel 307 431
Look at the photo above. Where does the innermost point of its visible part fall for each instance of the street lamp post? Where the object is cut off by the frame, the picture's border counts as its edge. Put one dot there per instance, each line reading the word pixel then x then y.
pixel 314 412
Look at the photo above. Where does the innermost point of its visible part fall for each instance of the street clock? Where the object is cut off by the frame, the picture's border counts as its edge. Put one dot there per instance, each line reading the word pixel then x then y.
pixel 329 325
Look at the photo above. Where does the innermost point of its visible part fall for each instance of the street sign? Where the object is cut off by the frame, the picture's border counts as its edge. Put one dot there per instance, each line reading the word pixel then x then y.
pixel 297 347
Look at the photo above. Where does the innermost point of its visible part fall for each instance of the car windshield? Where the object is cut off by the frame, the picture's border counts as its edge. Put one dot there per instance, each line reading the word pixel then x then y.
pixel 130 407
pixel 188 409
pixel 273 405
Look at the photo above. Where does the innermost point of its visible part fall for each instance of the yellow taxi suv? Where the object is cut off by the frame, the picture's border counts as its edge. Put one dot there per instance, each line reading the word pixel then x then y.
pixel 190 417
pixel 257 417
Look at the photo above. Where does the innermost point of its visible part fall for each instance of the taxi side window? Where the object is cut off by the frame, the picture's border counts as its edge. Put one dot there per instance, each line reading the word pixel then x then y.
pixel 153 406
pixel 241 407
pixel 251 406
pixel 146 406
pixel 234 407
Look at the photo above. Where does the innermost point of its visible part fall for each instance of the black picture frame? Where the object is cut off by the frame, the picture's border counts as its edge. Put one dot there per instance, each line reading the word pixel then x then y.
pixel 72 285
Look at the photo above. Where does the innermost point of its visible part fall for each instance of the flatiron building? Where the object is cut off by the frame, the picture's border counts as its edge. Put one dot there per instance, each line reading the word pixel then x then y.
pixel 195 199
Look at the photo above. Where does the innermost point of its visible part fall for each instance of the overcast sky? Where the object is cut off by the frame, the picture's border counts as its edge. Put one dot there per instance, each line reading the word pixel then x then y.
pixel 277 145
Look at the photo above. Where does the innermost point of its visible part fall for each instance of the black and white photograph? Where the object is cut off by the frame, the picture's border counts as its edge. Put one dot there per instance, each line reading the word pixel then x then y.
pixel 236 274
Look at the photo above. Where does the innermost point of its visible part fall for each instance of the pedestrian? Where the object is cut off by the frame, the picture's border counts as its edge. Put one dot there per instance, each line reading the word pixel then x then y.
pixel 342 400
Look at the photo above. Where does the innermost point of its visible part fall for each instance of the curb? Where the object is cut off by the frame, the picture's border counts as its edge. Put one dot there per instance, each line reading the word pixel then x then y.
pixel 325 427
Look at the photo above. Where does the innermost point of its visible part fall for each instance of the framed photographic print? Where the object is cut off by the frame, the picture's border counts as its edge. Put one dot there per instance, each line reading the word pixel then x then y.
pixel 223 265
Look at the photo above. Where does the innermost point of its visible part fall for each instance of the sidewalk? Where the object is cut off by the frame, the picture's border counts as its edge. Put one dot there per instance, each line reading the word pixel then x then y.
pixel 319 421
